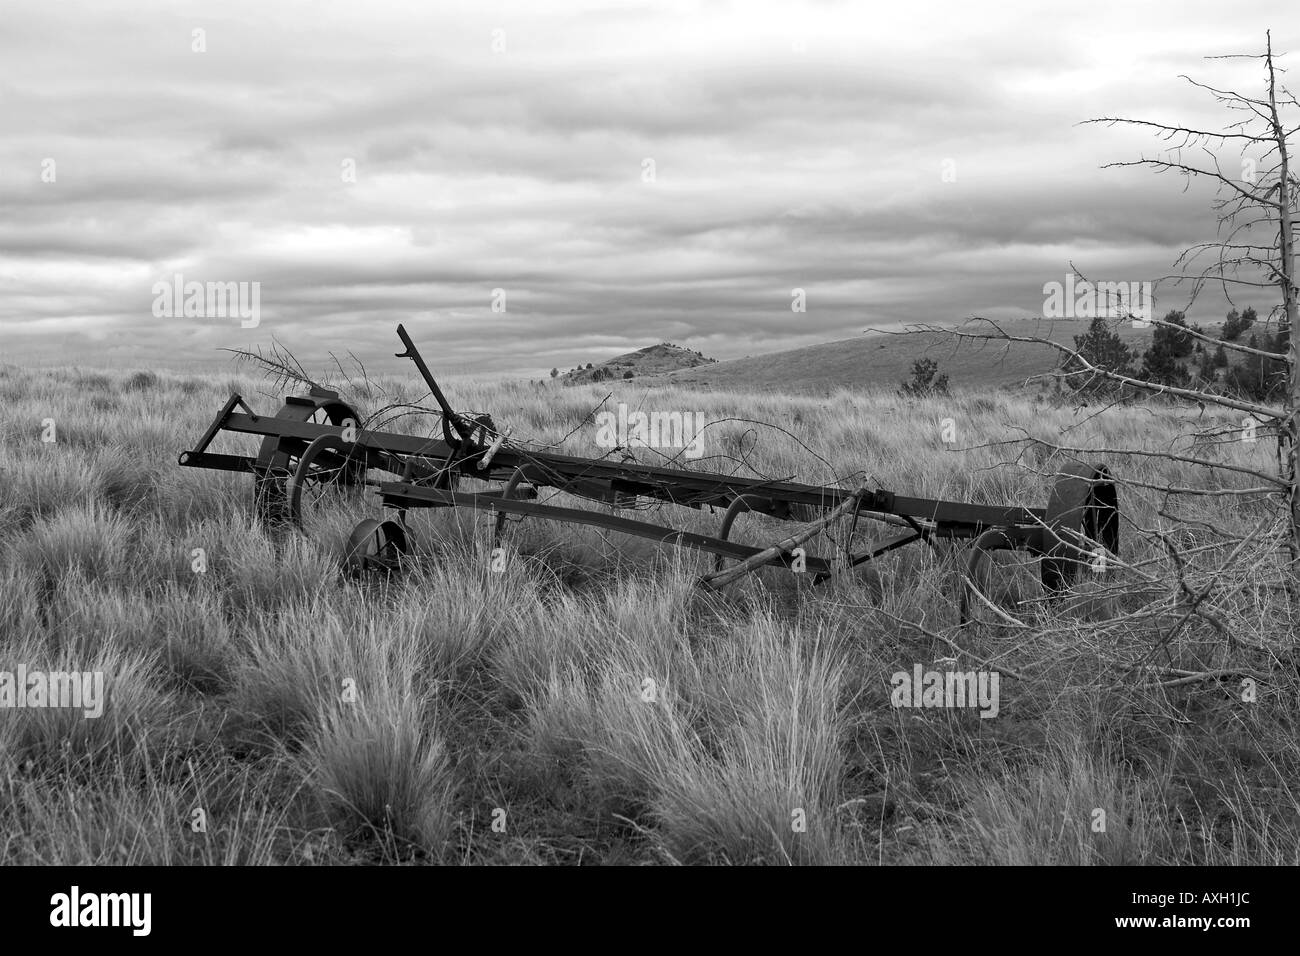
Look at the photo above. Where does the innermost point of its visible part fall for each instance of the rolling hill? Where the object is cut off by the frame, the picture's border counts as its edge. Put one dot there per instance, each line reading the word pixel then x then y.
pixel 653 360
pixel 876 359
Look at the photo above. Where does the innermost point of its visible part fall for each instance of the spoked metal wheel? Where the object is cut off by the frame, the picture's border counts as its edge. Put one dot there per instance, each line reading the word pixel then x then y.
pixel 277 460
pixel 375 545
pixel 329 464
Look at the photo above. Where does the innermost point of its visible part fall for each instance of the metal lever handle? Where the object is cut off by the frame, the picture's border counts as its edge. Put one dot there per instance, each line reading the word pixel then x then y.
pixel 450 419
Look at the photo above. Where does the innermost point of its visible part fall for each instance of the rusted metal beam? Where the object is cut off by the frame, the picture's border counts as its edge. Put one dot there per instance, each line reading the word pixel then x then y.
pixel 402 495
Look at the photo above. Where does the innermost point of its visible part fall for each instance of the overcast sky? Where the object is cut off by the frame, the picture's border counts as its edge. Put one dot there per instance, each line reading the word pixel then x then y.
pixel 505 146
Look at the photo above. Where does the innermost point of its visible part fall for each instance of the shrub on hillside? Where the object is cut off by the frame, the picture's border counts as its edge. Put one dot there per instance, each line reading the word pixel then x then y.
pixel 1101 348
pixel 925 380
pixel 1257 377
pixel 1170 343
pixel 1236 323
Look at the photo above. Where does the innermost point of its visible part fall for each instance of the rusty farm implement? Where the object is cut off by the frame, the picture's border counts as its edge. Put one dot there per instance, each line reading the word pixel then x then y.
pixel 315 443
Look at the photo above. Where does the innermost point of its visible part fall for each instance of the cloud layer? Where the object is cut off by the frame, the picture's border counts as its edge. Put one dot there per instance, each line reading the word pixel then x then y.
pixel 375 163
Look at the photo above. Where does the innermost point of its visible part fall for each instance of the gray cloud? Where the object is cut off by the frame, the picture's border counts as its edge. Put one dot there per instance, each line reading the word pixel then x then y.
pixel 794 146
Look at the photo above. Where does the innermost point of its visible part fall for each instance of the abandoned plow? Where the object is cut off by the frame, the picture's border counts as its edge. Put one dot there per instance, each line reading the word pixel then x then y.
pixel 315 445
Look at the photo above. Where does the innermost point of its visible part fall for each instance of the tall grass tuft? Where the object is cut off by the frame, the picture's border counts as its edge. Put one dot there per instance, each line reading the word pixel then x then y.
pixel 384 774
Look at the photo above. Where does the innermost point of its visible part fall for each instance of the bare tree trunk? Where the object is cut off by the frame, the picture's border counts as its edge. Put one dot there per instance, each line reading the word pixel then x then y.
pixel 1287 280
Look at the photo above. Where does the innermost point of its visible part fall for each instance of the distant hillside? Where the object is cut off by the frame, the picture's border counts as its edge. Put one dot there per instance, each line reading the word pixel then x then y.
pixel 876 359
pixel 660 359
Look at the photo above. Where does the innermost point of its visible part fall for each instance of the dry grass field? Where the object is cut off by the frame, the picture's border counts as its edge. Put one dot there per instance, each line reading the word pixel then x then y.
pixel 588 704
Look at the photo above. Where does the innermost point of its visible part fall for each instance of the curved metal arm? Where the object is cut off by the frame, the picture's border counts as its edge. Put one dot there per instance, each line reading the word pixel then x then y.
pixel 450 419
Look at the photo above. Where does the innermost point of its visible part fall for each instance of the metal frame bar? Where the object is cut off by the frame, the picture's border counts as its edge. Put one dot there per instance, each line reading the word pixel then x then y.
pixel 397 494
pixel 215 462
pixel 606 479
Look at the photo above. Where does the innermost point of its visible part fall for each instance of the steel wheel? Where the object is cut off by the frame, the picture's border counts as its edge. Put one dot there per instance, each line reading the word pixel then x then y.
pixel 1082 513
pixel 375 546
pixel 328 462
pixel 277 460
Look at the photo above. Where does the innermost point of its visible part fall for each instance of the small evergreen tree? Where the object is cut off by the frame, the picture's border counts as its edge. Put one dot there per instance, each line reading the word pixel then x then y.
pixel 1231 326
pixel 1161 363
pixel 925 380
pixel 1259 378
pixel 1177 342
pixel 1101 347
pixel 1236 323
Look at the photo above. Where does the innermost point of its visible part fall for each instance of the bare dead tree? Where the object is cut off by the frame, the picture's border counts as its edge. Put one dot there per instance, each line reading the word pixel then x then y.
pixel 1262 199
pixel 1254 249
pixel 1203 600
